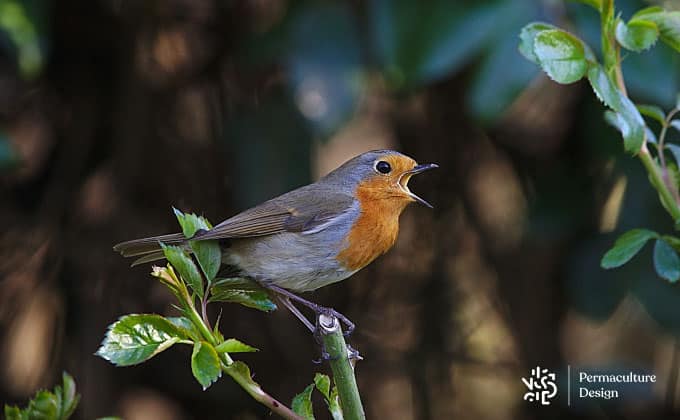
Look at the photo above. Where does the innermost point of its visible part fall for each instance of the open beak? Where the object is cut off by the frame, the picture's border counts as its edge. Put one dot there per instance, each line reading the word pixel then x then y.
pixel 406 176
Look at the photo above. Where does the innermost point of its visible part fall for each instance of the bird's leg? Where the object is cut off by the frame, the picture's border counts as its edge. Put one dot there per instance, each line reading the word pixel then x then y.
pixel 318 309
pixel 285 301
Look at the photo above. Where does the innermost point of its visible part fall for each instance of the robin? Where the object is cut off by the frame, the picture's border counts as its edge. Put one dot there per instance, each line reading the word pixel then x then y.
pixel 312 236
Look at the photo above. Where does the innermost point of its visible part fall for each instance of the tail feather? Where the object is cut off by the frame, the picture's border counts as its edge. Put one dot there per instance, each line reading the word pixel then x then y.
pixel 152 256
pixel 146 246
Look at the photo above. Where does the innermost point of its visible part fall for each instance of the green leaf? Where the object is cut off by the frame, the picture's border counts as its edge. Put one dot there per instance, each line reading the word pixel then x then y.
pixel 187 328
pixel 653 111
pixel 243 291
pixel 637 35
pixel 136 338
pixel 675 150
pixel 629 121
pixel 561 55
pixel 67 396
pixel 57 405
pixel 232 345
pixel 527 37
pixel 323 384
pixel 44 406
pixel 207 253
pixel 302 403
pixel 666 261
pixel 205 364
pixel 626 247
pixel 667 22
pixel 209 256
pixel 191 223
pixel 183 263
pixel 241 369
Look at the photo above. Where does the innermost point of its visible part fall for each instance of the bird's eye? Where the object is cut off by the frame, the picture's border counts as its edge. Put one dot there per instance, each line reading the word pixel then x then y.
pixel 383 167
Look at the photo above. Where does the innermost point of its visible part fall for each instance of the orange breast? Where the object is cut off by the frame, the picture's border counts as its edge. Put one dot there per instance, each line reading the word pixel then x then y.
pixel 375 230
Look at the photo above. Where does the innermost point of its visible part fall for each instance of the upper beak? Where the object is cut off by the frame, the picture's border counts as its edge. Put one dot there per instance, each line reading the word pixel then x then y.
pixel 404 178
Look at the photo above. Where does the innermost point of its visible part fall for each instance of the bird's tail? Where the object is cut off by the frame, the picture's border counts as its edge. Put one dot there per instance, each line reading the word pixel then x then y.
pixel 147 249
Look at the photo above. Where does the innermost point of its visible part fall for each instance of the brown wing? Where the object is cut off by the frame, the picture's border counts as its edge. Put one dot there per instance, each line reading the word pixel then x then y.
pixel 297 211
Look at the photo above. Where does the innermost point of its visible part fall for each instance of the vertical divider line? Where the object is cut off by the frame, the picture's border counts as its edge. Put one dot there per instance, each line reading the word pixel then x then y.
pixel 568 385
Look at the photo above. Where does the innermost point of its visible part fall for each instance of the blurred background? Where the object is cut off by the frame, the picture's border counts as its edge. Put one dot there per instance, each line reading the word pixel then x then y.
pixel 112 111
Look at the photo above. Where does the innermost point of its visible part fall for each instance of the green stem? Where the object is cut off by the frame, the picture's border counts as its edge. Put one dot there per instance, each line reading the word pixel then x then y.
pixel 658 182
pixel 194 316
pixel 240 377
pixel 343 371
pixel 243 378
pixel 611 53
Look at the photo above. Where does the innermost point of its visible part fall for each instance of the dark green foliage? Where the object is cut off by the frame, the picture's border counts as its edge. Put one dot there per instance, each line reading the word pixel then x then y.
pixel 56 405
pixel 565 58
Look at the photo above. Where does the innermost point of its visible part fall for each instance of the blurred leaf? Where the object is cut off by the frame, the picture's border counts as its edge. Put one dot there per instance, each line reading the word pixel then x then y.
pixel 421 42
pixel 675 150
pixel 527 37
pixel 626 247
pixel 629 121
pixel 205 364
pixel 676 124
pixel 8 157
pixel 666 261
pixel 233 345
pixel 650 136
pixel 637 35
pixel 502 76
pixel 14 413
pixel 667 22
pixel 243 291
pixel 57 405
pixel 136 338
pixel 323 58
pixel 302 403
pixel 597 4
pixel 672 241
pixel 22 30
pixel 648 78
pixel 561 55
pixel 653 111
pixel 183 263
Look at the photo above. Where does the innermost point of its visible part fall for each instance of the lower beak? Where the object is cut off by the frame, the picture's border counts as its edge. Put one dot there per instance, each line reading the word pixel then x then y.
pixel 406 176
